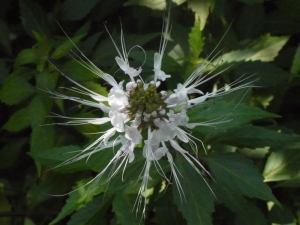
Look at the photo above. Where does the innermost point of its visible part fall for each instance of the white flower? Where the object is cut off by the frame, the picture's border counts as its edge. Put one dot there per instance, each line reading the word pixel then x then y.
pixel 141 110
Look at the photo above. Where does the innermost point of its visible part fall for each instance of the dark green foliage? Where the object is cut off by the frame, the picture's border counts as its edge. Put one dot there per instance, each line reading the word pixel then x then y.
pixel 252 154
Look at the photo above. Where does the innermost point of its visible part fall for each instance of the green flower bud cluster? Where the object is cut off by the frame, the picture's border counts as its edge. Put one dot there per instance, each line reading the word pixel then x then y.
pixel 147 105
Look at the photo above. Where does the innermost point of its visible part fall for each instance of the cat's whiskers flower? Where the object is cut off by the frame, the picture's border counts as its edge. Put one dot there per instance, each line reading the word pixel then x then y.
pixel 142 115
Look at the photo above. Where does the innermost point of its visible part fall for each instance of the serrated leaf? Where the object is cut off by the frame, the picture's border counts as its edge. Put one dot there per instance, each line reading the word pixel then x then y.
pixel 122 207
pixel 239 175
pixel 15 89
pixel 65 47
pixel 93 213
pixel 41 139
pixel 267 47
pixel 55 156
pixel 166 211
pixel 77 199
pixel 199 203
pixel 76 10
pixel 268 74
pixel 201 8
pixel 38 109
pixel 253 137
pixel 296 62
pixel 46 81
pixel 152 4
pixel 34 18
pixel 225 111
pixel 27 56
pixel 282 165
pixel 18 121
pixel 196 40
pixel 264 49
pixel 132 173
pixel 246 213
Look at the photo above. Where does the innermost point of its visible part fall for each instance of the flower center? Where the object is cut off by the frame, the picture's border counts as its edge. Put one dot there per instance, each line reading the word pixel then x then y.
pixel 147 105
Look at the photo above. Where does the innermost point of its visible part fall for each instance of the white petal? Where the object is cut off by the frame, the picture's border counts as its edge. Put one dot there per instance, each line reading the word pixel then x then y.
pixel 99 121
pixel 117 120
pixel 104 108
pixel 176 146
pixel 160 152
pixel 133 134
pixel 194 90
pixel 122 64
pixel 99 98
pixel 181 135
pixel 108 135
pixel 130 156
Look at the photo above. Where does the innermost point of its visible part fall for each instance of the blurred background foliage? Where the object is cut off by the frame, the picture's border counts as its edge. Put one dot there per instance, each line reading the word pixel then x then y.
pixel 254 159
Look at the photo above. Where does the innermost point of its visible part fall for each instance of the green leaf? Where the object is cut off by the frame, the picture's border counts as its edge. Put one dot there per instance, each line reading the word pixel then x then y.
pixel 268 74
pixel 18 121
pixel 46 81
pixel 27 56
pixel 239 175
pixel 94 213
pixel 201 8
pixel 122 207
pixel 246 213
pixel 132 173
pixel 282 165
pixel 38 109
pixel 41 139
pixel 76 10
pixel 196 40
pixel 77 72
pixel 34 18
pixel 55 156
pixel 65 47
pixel 199 199
pixel 253 137
pixel 281 215
pixel 152 4
pixel 165 211
pixel 77 199
pixel 264 49
pixel 296 62
pixel 224 111
pixel 15 89
pixel 267 47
